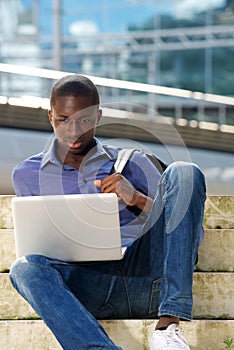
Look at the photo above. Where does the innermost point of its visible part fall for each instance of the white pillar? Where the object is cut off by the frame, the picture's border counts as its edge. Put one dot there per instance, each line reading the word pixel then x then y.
pixel 57 36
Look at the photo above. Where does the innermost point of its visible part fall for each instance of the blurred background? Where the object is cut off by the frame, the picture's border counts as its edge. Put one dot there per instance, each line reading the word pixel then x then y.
pixel 164 70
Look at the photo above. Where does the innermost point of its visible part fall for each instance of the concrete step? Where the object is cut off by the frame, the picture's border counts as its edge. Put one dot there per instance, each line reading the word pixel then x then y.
pixel 6 220
pixel 219 212
pixel 7 249
pixel 130 335
pixel 213 298
pixel 217 251
pixel 215 254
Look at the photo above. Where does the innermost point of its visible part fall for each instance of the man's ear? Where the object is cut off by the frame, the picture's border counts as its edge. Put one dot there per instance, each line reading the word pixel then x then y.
pixel 50 115
pixel 99 115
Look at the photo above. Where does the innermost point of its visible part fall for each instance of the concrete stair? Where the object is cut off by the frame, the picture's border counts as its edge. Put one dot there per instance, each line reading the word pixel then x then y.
pixel 21 328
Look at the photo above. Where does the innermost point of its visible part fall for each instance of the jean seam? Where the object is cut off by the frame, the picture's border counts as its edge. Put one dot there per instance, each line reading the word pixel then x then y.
pixel 154 290
pixel 126 290
pixel 165 279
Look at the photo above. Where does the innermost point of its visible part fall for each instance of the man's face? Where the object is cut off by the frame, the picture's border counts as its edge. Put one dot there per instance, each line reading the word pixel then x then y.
pixel 74 120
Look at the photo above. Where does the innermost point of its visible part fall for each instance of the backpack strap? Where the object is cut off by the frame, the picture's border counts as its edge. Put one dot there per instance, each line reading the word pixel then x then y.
pixel 122 158
pixel 158 163
pixel 125 154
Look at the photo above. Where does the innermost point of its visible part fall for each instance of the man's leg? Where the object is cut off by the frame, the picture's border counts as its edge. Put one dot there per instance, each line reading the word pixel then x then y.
pixel 44 283
pixel 167 249
pixel 183 196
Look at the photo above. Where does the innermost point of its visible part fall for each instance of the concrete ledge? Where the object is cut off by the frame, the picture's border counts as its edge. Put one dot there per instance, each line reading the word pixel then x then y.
pixel 217 251
pixel 5 212
pixel 13 306
pixel 213 298
pixel 7 249
pixel 213 295
pixel 215 254
pixel 129 334
pixel 219 212
pixel 26 335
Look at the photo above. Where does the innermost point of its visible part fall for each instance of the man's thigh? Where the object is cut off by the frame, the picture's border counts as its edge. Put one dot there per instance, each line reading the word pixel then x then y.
pixel 97 285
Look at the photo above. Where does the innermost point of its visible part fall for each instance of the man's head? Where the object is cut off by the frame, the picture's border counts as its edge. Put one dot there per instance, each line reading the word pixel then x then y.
pixel 74 85
pixel 74 114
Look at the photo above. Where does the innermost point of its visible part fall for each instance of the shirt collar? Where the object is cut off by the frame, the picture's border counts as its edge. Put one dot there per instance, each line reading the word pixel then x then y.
pixel 101 151
pixel 49 156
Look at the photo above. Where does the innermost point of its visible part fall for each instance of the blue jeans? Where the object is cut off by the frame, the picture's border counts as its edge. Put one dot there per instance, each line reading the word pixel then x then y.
pixel 154 278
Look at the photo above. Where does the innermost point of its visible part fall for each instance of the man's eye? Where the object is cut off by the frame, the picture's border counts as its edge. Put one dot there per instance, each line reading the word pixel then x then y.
pixel 63 120
pixel 85 120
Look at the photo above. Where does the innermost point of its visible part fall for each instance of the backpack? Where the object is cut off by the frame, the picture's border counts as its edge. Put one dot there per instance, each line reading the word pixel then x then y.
pixel 125 154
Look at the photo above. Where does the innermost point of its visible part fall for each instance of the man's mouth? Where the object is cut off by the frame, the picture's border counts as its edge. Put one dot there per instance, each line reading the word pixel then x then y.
pixel 73 144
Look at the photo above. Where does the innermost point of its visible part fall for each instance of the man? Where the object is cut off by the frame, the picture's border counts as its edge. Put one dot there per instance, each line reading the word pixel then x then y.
pixel 161 224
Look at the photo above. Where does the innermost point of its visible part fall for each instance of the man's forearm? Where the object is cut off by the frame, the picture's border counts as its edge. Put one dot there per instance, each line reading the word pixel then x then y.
pixel 142 202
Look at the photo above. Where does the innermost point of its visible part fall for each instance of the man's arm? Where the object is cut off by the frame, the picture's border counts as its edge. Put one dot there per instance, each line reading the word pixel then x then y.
pixel 18 181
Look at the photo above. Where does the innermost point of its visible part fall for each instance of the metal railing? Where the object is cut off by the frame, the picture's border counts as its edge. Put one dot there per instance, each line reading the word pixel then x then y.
pixel 128 95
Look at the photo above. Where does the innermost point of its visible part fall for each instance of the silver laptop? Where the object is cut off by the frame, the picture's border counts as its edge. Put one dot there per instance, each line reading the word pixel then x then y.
pixel 80 227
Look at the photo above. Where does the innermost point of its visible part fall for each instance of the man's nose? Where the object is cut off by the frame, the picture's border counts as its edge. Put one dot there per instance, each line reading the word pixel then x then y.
pixel 74 127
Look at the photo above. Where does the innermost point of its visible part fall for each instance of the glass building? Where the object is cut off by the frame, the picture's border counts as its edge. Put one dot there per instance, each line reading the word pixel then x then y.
pixel 167 42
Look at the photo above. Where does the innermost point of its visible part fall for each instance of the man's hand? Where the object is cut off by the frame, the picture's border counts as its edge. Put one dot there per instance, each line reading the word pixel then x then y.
pixel 117 183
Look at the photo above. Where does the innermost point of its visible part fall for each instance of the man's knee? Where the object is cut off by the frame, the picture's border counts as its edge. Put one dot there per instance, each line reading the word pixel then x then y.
pixel 184 173
pixel 23 269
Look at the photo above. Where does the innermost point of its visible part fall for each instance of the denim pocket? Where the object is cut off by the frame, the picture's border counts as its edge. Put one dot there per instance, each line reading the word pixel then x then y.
pixel 106 312
pixel 154 297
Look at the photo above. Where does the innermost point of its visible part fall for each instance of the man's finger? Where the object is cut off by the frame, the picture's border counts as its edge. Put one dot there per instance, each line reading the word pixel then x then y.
pixel 97 183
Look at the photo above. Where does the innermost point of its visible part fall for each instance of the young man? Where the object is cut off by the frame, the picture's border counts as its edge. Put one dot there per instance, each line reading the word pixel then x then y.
pixel 161 224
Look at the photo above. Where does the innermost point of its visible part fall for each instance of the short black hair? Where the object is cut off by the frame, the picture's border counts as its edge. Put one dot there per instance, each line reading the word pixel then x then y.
pixel 74 85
